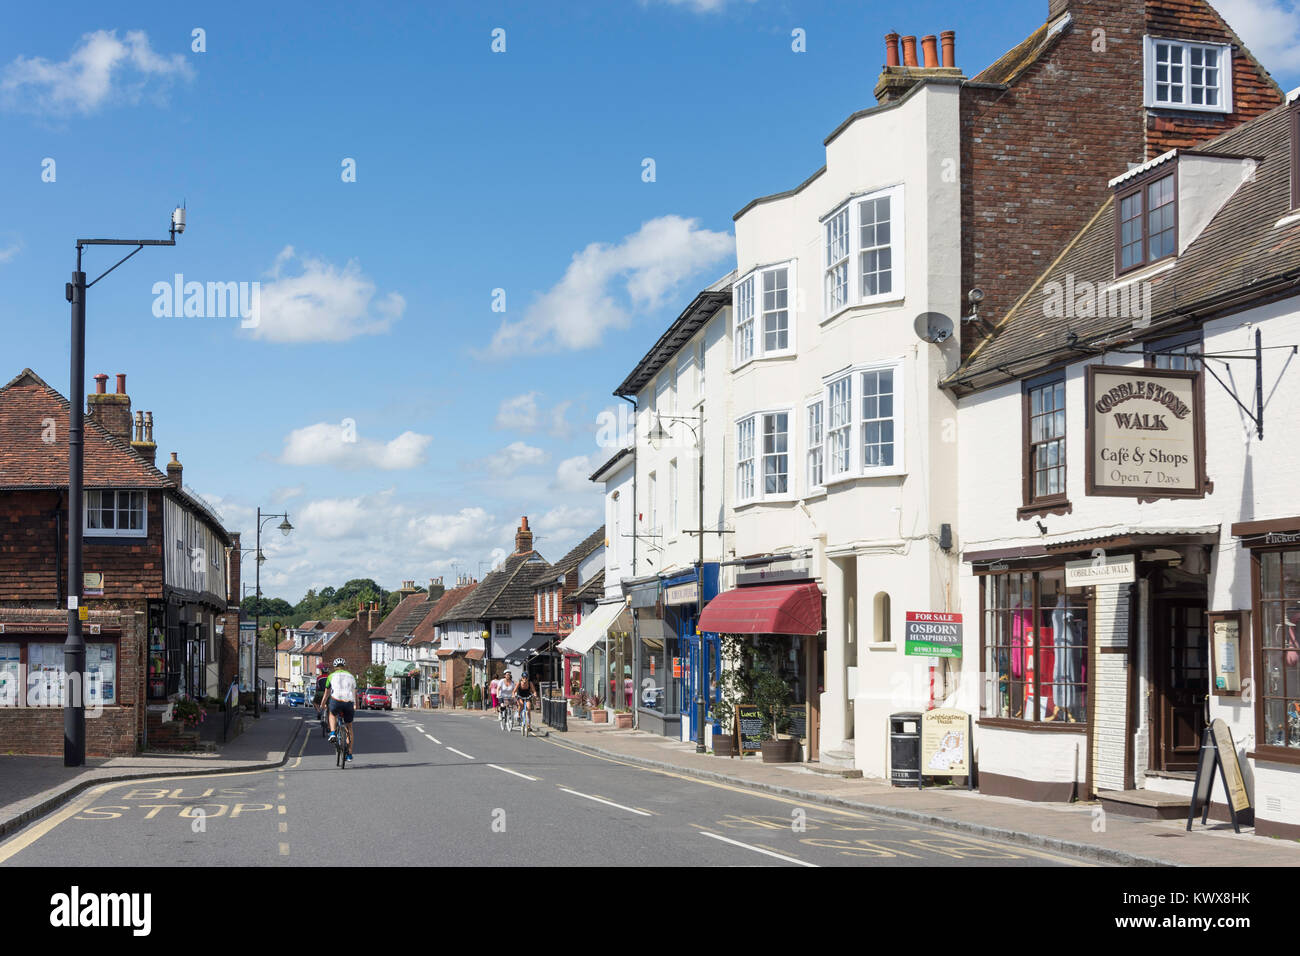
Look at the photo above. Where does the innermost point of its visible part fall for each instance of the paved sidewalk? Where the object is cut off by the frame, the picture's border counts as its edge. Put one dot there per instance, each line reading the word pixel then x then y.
pixel 33 786
pixel 1080 829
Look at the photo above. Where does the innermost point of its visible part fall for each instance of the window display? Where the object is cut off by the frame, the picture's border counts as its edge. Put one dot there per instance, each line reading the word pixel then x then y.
pixel 9 675
pixel 1280 610
pixel 1035 633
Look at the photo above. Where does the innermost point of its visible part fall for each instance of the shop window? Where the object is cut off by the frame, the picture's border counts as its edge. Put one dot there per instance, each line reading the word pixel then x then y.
pixel 880 616
pixel 46 680
pixel 1034 634
pixel 1279 609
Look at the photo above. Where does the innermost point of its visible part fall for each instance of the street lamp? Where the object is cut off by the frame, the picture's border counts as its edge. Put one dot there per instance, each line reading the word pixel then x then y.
pixel 74 649
pixel 285 528
pixel 657 435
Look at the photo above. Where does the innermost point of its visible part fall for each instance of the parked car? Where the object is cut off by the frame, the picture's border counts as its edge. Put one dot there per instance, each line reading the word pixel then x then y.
pixel 376 698
pixel 295 699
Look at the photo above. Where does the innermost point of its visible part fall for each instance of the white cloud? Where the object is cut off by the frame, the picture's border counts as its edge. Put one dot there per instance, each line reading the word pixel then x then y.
pixel 322 303
pixel 1271 28
pixel 335 518
pixel 102 71
pixel 510 459
pixel 328 444
pixel 280 495
pixel 465 528
pixel 573 473
pixel 699 6
pixel 498 557
pixel 560 427
pixel 10 251
pixel 518 412
pixel 645 267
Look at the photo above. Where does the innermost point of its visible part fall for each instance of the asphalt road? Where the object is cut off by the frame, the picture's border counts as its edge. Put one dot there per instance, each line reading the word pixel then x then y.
pixel 453 789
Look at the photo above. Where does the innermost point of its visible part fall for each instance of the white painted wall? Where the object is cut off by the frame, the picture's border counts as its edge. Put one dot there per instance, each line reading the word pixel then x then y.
pixel 619 526
pixel 882 530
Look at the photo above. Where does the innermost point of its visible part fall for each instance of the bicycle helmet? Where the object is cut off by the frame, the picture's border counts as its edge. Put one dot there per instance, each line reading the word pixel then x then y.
pixel 339 662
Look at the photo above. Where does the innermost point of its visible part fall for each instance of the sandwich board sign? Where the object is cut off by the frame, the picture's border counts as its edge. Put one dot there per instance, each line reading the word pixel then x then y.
pixel 1219 752
pixel 946 747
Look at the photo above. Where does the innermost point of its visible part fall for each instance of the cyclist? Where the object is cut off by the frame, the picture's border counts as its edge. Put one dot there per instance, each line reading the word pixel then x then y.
pixel 524 694
pixel 322 677
pixel 506 692
pixel 341 698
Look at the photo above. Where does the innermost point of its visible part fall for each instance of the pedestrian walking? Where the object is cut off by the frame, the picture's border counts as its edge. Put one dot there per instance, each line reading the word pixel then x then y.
pixel 493 689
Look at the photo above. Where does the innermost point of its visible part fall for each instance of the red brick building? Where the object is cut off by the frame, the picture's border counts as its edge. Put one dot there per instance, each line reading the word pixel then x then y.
pixel 159 584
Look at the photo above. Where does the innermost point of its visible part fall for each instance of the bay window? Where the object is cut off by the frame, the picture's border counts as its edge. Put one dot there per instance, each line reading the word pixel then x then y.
pixel 762 299
pixel 864 435
pixel 816 439
pixel 863 251
pixel 770 459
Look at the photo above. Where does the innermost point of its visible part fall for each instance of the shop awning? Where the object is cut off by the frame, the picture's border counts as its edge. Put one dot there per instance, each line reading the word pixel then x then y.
pixel 592 629
pixel 400 668
pixel 768 609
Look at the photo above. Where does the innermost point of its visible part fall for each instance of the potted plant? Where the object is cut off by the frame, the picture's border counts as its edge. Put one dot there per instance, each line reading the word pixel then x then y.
pixel 188 712
pixel 599 714
pixel 770 693
pixel 732 688
pixel 622 718
pixel 578 704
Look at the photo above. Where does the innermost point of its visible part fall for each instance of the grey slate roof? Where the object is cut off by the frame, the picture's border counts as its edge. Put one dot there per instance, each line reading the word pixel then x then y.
pixel 593 590
pixel 1239 258
pixel 580 552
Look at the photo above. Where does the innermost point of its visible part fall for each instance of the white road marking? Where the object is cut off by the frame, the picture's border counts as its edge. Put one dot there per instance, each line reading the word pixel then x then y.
pixel 284 849
pixel 508 770
pixel 434 739
pixel 758 849
pixel 279 810
pixel 461 752
pixel 419 728
pixel 608 803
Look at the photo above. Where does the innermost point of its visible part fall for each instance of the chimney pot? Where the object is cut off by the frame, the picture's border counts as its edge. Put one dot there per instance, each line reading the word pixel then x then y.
pixel 139 426
pixel 948 40
pixel 148 426
pixel 121 383
pixel 891 49
pixel 101 383
pixel 909 51
pixel 931 50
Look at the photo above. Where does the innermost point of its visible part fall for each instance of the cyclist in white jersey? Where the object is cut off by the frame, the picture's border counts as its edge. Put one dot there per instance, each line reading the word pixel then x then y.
pixel 341 698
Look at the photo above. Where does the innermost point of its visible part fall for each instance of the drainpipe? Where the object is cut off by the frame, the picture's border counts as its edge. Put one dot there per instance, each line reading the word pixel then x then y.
pixel 635 532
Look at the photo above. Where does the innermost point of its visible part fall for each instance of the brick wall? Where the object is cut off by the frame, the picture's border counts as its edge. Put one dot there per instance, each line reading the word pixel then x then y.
pixel 34 555
pixel 1037 157
pixel 1110 676
pixel 117 730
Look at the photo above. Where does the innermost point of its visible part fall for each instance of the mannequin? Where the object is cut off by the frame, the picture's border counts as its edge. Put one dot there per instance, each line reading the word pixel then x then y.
pixel 1065 673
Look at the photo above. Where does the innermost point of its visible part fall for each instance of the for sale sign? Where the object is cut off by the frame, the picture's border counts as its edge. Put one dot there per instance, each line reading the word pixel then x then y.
pixel 933 634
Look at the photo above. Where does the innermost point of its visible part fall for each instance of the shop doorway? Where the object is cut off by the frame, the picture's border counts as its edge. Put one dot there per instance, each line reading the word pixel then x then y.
pixel 1181 681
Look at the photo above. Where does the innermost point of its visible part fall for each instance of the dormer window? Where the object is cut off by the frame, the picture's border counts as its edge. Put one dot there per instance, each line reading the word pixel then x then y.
pixel 1182 75
pixel 1146 220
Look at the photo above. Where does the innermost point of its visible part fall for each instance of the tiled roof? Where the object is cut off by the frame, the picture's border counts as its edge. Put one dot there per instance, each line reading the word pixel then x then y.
pixel 584 548
pixel 505 593
pixel 402 620
pixel 1240 255
pixel 592 590
pixel 1022 56
pixel 309 625
pixel 425 632
pixel 285 645
pixel 27 460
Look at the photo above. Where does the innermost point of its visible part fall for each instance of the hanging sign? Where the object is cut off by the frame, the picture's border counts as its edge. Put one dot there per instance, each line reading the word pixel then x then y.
pixel 932 634
pixel 946 744
pixel 1219 751
pixel 1144 429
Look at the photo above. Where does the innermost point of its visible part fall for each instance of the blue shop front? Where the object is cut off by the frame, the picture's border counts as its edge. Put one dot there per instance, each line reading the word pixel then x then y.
pixel 670 657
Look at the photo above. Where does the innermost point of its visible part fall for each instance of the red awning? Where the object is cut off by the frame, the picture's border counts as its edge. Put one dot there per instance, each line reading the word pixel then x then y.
pixel 767 609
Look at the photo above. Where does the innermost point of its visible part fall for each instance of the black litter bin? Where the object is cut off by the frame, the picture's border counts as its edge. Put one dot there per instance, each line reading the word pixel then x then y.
pixel 905 750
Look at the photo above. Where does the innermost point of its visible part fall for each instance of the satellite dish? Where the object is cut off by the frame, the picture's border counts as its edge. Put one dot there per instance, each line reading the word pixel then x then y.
pixel 933 327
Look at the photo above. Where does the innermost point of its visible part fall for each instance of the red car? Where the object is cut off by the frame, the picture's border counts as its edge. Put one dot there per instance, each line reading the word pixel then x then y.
pixel 376 698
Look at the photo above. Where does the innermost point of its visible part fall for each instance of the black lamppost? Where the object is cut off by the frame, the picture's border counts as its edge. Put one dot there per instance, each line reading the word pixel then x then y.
pixel 285 528
pixel 657 434
pixel 74 649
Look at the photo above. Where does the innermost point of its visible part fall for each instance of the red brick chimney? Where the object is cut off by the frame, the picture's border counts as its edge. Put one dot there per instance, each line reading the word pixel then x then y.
pixel 896 80
pixel 523 537
pixel 909 51
pixel 891 49
pixel 113 412
pixel 232 597
pixel 929 45
pixel 174 470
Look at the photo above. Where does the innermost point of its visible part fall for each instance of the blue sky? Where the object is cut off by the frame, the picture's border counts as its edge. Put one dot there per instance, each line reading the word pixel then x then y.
pixel 475 171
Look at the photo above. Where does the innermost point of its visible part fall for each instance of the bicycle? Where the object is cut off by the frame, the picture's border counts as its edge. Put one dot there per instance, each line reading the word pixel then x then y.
pixel 342 743
pixel 506 713
pixel 526 717
pixel 323 716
